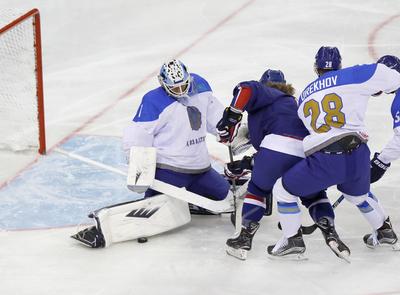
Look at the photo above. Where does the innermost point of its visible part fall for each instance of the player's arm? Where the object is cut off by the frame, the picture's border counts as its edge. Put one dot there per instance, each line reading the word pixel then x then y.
pixel 141 130
pixel 381 161
pixel 384 79
pixel 391 152
pixel 228 126
pixel 242 94
pixel 136 134
pixel 239 168
pixel 215 109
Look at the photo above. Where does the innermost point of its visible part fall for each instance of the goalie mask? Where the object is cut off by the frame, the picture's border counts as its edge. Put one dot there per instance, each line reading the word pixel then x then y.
pixel 174 78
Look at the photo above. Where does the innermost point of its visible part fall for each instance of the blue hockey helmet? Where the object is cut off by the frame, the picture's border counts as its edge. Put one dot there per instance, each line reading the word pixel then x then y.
pixel 328 58
pixel 390 61
pixel 174 78
pixel 275 76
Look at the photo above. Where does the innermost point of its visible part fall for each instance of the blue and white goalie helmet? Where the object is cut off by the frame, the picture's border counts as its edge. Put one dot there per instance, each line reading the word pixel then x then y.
pixel 174 78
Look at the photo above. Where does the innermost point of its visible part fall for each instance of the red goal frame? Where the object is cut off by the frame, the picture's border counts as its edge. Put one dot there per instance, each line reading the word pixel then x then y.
pixel 34 13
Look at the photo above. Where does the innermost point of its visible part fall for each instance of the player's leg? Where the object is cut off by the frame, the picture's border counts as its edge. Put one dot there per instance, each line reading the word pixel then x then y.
pixel 321 211
pixel 171 177
pixel 307 178
pixel 318 206
pixel 356 191
pixel 211 185
pixel 268 167
pixel 116 223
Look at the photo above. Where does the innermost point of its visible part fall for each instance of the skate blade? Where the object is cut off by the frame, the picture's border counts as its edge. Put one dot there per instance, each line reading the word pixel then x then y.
pixel 396 246
pixel 237 253
pixel 343 255
pixel 289 257
pixel 82 241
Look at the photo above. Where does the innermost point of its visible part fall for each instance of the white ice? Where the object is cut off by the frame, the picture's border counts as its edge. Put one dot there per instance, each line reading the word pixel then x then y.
pixel 101 56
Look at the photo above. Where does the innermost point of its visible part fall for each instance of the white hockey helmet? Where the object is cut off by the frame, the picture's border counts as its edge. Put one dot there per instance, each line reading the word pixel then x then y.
pixel 174 78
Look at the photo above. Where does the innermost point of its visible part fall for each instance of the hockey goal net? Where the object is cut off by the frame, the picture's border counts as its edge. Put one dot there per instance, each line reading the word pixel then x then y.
pixel 21 82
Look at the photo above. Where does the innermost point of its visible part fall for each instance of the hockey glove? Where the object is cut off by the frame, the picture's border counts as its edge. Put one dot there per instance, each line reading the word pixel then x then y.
pixel 378 168
pixel 228 126
pixel 237 169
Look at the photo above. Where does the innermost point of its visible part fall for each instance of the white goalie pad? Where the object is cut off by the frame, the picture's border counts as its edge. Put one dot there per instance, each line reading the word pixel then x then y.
pixel 141 218
pixel 142 168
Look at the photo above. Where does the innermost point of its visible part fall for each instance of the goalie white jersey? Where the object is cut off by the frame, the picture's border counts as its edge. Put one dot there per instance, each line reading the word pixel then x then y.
pixel 334 105
pixel 177 128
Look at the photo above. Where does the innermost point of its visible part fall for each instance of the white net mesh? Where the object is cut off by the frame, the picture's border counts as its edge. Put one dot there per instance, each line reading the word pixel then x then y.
pixel 19 127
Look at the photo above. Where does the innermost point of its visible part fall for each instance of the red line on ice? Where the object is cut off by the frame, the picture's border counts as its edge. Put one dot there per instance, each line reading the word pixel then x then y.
pixel 134 88
pixel 374 33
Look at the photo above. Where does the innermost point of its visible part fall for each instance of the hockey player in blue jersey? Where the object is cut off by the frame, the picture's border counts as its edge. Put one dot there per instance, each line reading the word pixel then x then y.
pixel 174 118
pixel 333 109
pixel 381 161
pixel 276 132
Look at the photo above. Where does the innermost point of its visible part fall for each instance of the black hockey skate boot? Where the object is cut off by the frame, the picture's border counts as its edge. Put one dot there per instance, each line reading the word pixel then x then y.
pixel 91 237
pixel 239 246
pixel 332 239
pixel 197 210
pixel 384 235
pixel 290 248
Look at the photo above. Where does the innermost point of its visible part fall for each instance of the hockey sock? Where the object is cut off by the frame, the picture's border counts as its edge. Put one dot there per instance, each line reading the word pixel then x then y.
pixel 290 218
pixel 370 208
pixel 253 209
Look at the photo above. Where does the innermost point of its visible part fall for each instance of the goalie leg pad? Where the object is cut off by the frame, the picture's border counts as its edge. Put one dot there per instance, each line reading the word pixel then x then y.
pixel 141 218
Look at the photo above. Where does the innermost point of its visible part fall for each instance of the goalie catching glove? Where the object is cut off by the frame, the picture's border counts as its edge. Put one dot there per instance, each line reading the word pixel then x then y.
pixel 228 126
pixel 237 169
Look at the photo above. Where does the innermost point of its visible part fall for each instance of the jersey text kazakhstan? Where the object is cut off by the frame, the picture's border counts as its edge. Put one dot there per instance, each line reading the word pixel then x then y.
pixel 318 85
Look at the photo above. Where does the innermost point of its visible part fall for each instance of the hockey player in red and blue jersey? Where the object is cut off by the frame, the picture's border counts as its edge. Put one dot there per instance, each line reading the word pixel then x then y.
pixel 276 132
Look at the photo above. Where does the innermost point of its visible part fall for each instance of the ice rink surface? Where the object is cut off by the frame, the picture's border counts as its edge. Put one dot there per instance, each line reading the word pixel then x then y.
pixel 100 57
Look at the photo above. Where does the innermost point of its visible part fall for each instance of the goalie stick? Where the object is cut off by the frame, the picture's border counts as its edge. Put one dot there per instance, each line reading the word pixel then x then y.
pixel 160 186
pixel 237 200
pixel 308 230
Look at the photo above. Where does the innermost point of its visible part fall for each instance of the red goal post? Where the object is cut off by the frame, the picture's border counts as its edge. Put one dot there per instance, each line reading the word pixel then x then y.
pixel 22 125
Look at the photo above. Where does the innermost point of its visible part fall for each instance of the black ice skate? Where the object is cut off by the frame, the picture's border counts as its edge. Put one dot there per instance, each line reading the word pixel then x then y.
pixel 91 237
pixel 289 248
pixel 239 246
pixel 332 239
pixel 384 235
pixel 197 210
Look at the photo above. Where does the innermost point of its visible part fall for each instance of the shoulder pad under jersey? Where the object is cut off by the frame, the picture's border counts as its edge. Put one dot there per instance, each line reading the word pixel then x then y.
pixel 198 85
pixel 153 104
